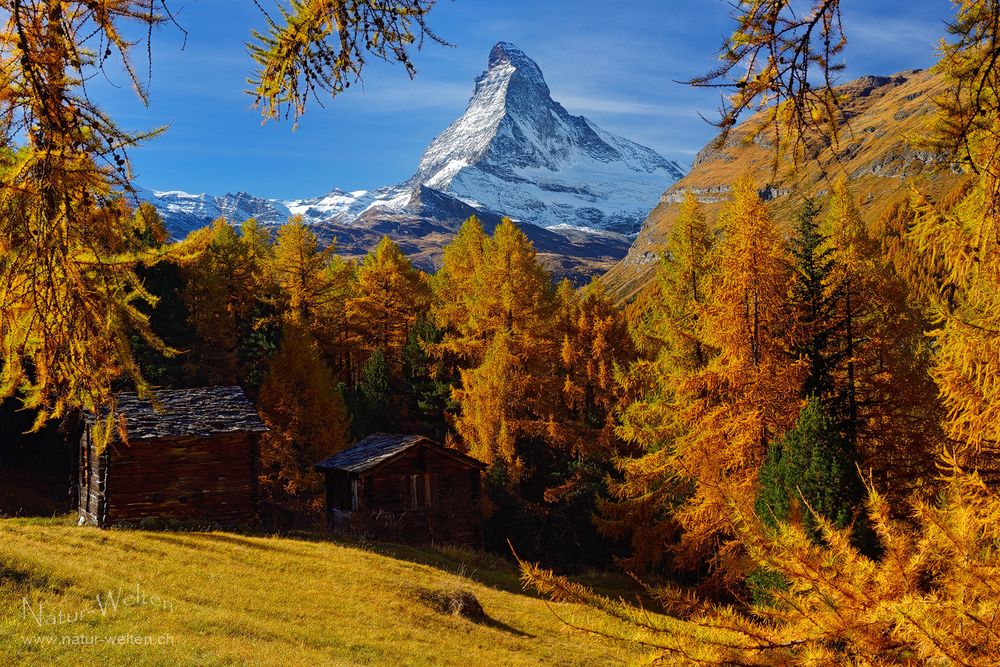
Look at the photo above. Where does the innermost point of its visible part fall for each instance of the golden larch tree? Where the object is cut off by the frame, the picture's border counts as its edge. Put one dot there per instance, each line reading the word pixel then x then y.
pixel 452 284
pixel 508 339
pixel 220 295
pixel 594 342
pixel 299 266
pixel 749 391
pixel 886 400
pixel 70 297
pixel 489 397
pixel 306 417
pixel 511 292
pixel 389 295
pixel 669 333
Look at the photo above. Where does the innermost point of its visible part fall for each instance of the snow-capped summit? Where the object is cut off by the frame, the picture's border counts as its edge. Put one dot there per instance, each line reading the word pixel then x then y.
pixel 518 151
pixel 505 52
pixel 578 191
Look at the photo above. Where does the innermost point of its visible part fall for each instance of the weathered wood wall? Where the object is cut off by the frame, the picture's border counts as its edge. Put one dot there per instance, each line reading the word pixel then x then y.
pixel 422 495
pixel 186 478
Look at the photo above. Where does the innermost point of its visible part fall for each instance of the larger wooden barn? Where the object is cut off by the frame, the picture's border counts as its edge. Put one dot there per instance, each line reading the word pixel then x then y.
pixel 192 459
pixel 404 487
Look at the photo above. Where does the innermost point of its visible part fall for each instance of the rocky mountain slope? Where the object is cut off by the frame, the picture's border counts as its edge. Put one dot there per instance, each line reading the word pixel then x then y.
pixel 883 115
pixel 580 193
pixel 518 151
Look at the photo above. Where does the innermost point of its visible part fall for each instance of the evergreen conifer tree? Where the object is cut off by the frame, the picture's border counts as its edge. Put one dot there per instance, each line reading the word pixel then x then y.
pixel 810 471
pixel 814 310
pixel 373 410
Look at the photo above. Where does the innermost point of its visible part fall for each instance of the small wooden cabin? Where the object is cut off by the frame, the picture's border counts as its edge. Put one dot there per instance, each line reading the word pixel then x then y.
pixel 406 488
pixel 191 458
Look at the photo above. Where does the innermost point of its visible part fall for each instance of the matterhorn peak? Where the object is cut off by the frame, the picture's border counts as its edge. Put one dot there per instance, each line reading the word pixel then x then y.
pixel 515 151
pixel 518 80
pixel 518 151
pixel 505 51
pixel 506 55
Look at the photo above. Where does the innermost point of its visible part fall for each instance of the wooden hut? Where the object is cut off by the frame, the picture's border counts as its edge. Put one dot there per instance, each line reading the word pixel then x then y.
pixel 191 458
pixel 406 488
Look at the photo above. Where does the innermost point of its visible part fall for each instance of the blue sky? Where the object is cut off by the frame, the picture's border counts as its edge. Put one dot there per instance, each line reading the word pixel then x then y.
pixel 617 66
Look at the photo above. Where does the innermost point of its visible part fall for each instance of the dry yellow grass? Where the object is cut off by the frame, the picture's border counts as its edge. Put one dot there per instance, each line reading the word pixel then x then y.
pixel 81 596
pixel 875 152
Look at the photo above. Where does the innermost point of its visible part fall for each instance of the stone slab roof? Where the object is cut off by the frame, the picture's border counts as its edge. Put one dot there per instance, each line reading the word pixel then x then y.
pixel 200 412
pixel 369 452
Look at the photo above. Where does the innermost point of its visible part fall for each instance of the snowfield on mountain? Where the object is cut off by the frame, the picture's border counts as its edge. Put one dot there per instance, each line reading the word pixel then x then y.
pixel 515 152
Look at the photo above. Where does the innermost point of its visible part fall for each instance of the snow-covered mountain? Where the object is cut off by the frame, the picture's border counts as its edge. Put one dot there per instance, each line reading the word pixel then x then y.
pixel 518 151
pixel 183 212
pixel 515 152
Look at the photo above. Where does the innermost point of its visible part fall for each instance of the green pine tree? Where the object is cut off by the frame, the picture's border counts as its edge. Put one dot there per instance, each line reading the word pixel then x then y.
pixel 372 398
pixel 810 471
pixel 814 308
pixel 428 384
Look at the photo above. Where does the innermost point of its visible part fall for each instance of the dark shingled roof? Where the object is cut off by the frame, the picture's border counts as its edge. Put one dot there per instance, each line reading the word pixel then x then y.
pixel 373 450
pixel 200 412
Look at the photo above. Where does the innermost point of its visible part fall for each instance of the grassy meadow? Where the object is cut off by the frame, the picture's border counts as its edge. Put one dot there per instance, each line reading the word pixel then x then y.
pixel 83 596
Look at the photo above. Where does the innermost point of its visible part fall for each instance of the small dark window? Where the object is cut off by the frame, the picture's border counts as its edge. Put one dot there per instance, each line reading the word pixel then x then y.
pixel 344 486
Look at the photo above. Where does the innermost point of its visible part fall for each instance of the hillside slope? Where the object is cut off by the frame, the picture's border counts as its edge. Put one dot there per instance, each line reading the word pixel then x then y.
pixel 230 599
pixel 883 114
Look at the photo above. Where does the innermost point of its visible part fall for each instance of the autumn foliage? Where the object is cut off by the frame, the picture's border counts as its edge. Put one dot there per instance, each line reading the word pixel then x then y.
pixel 801 416
pixel 74 309
pixel 872 538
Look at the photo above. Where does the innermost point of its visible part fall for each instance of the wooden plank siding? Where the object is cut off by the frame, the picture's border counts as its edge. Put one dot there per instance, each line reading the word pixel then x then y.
pixel 187 478
pixel 420 495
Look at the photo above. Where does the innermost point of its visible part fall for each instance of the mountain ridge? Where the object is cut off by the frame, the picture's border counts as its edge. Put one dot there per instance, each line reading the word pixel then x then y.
pixel 881 114
pixel 514 152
